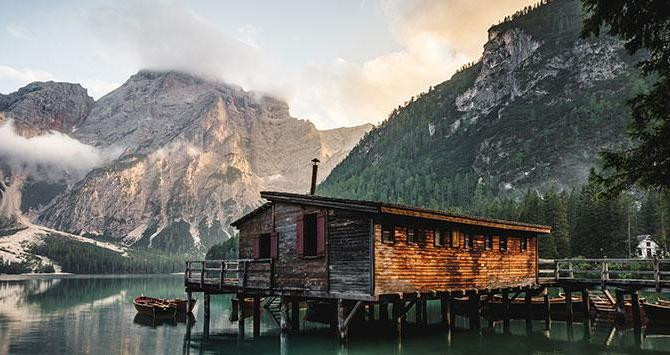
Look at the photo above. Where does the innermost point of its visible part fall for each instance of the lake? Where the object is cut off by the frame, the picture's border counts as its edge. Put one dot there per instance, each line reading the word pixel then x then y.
pixel 95 315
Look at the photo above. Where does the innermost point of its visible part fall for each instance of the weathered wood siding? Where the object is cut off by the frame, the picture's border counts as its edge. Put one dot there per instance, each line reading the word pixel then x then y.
pixel 349 252
pixel 424 267
pixel 291 272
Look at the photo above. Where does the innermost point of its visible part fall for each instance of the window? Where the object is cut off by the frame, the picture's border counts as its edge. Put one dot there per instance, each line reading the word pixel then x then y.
pixel 524 244
pixel 309 234
pixel 455 239
pixel 264 246
pixel 469 242
pixel 441 237
pixel 411 236
pixel 388 234
pixel 488 242
pixel 503 243
pixel 421 236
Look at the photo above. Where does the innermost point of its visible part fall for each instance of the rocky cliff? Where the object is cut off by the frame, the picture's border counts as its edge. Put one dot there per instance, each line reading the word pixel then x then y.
pixel 531 114
pixel 192 155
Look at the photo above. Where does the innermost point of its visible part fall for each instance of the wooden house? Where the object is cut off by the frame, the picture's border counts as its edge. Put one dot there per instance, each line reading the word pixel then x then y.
pixel 364 250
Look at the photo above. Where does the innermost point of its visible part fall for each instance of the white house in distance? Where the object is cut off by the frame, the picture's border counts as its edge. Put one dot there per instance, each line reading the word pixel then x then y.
pixel 647 247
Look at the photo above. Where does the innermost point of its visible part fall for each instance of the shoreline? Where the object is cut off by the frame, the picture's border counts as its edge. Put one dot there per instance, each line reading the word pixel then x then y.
pixel 65 275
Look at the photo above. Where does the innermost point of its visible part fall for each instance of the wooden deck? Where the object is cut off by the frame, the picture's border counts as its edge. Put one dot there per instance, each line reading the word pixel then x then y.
pixel 633 274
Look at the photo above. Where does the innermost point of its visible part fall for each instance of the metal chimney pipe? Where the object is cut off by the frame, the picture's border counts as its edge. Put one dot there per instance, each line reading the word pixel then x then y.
pixel 315 168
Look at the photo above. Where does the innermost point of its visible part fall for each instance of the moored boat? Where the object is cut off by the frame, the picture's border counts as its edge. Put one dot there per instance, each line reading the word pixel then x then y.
pixel 181 305
pixel 154 307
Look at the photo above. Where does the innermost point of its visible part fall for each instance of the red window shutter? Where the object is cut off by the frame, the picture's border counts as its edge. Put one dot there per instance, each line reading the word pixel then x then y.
pixel 321 233
pixel 257 249
pixel 298 236
pixel 273 245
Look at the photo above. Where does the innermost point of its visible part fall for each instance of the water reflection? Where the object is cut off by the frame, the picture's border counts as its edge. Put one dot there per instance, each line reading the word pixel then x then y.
pixel 96 315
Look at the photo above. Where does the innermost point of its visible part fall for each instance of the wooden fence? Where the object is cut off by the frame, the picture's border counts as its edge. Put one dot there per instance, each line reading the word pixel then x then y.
pixel 220 274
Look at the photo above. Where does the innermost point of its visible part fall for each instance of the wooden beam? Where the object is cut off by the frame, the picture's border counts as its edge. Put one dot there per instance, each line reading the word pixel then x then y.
pixel 257 316
pixel 341 328
pixel 240 321
pixel 635 304
pixel 284 319
pixel 295 314
pixel 506 310
pixel 568 305
pixel 586 304
pixel 547 309
pixel 475 311
pixel 620 308
pixel 357 307
pixel 445 308
pixel 529 309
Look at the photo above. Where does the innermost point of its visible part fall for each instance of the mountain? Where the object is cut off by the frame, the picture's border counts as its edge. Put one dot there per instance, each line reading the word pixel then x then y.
pixel 189 155
pixel 532 113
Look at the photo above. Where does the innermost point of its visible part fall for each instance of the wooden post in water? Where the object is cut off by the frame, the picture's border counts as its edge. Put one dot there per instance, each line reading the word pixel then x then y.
pixel 547 309
pixel 620 308
pixel 205 324
pixel 240 312
pixel 371 311
pixel 295 314
pixel 475 311
pixel 506 309
pixel 529 309
pixel 189 300
pixel 341 329
pixel 635 307
pixel 283 321
pixel 586 304
pixel 424 311
pixel 383 311
pixel 418 312
pixel 398 316
pixel 257 316
pixel 568 306
pixel 445 307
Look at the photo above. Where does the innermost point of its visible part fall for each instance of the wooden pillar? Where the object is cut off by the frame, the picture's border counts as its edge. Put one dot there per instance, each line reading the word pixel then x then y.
pixel 547 309
pixel 506 309
pixel 371 311
pixel 284 320
pixel 586 304
pixel 635 307
pixel 257 316
pixel 205 325
pixel 568 306
pixel 445 307
pixel 295 314
pixel 620 308
pixel 398 316
pixel 475 311
pixel 383 311
pixel 529 308
pixel 341 329
pixel 424 313
pixel 240 311
pixel 418 312
pixel 189 299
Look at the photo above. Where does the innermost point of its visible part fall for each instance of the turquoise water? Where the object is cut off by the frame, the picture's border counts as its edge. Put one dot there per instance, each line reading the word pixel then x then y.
pixel 95 315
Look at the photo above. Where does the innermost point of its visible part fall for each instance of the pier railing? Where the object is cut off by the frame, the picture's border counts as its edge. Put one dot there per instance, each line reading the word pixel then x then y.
pixel 239 273
pixel 641 273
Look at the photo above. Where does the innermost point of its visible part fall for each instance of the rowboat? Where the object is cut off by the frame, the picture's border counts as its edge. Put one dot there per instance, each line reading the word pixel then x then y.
pixel 180 304
pixel 154 307
pixel 657 313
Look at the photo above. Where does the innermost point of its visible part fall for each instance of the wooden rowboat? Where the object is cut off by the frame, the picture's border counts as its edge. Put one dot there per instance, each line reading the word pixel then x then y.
pixel 657 313
pixel 180 304
pixel 154 307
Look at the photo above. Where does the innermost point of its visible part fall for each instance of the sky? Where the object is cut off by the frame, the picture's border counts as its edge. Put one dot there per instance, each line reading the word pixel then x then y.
pixel 336 63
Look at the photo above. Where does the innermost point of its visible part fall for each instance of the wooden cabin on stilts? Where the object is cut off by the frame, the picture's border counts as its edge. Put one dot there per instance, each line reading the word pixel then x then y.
pixel 346 256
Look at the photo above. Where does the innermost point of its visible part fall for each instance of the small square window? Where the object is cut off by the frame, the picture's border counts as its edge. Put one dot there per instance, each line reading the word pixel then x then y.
pixel 523 244
pixel 387 233
pixel 503 243
pixel 411 236
pixel 441 237
pixel 488 242
pixel 469 242
pixel 454 241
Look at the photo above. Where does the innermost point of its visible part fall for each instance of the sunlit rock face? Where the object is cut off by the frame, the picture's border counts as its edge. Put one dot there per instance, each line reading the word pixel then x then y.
pixel 193 155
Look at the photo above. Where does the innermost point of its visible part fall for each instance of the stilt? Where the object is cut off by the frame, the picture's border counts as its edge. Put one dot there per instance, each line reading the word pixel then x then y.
pixel 234 316
pixel 529 310
pixel 445 307
pixel 547 309
pixel 424 313
pixel 398 317
pixel 257 316
pixel 240 321
pixel 295 314
pixel 383 311
pixel 586 304
pixel 284 321
pixel 635 307
pixel 620 308
pixel 418 312
pixel 205 325
pixel 341 329
pixel 505 302
pixel 568 306
pixel 189 299
pixel 371 312
pixel 475 311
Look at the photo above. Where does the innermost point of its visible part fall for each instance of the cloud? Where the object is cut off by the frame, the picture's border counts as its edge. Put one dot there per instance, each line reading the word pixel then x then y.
pixel 436 38
pixel 11 78
pixel 17 31
pixel 167 36
pixel 53 149
pixel 97 88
